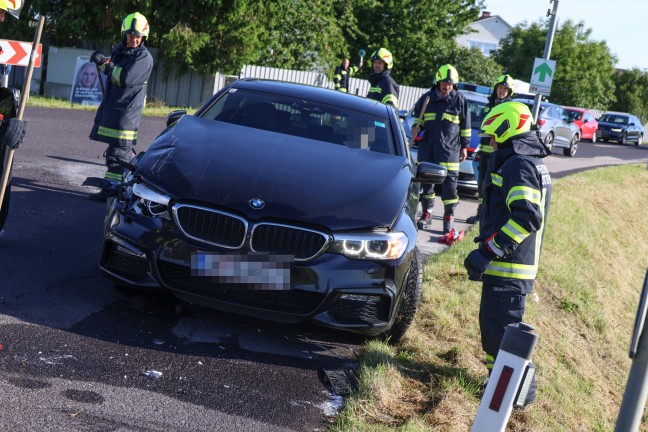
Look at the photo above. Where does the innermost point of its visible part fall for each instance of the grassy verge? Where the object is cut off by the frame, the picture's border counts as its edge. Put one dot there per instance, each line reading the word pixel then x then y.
pixel 152 109
pixel 591 271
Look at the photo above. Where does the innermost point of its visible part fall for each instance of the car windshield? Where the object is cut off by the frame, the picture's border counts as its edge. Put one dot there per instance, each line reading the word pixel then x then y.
pixel 477 112
pixel 303 118
pixel 610 118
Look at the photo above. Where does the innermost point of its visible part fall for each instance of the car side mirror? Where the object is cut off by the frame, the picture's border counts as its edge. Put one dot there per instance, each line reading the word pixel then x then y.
pixel 174 116
pixel 631 124
pixel 402 114
pixel 430 173
pixel 585 121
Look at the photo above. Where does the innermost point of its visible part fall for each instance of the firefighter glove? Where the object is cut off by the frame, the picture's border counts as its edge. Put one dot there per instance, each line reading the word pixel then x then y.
pixel 13 132
pixel 477 262
pixel 97 58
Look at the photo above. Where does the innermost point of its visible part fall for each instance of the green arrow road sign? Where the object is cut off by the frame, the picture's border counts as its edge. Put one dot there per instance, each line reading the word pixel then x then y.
pixel 543 70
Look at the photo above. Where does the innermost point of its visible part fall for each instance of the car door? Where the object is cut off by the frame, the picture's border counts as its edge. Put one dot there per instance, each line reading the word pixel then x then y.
pixel 634 128
pixel 563 130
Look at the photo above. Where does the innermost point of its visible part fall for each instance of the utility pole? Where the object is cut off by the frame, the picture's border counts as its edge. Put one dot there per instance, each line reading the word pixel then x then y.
pixel 547 50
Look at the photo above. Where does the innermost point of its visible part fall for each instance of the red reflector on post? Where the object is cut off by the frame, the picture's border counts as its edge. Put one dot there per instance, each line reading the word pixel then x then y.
pixel 500 389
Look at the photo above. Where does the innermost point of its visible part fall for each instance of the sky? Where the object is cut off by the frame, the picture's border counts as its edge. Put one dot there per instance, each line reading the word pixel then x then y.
pixel 621 23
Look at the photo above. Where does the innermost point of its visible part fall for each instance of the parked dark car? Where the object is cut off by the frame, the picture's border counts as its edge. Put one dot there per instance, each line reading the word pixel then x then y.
pixel 477 102
pixel 280 201
pixel 621 127
pixel 585 121
pixel 556 128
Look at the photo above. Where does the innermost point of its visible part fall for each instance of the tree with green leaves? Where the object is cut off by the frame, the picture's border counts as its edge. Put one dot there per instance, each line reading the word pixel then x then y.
pixel 632 92
pixel 583 66
pixel 419 33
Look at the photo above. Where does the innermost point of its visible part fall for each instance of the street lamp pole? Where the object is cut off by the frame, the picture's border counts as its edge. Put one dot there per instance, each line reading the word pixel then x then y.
pixel 547 50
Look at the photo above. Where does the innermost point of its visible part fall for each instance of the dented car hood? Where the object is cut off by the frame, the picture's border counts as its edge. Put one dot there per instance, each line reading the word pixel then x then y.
pixel 225 165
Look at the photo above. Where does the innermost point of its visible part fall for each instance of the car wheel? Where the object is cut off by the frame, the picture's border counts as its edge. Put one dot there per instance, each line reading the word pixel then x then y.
pixel 593 138
pixel 548 141
pixel 573 146
pixel 639 139
pixel 409 300
pixel 624 139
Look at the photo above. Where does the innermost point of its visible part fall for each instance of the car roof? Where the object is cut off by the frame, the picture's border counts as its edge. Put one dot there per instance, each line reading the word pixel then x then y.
pixel 619 114
pixel 474 96
pixel 580 110
pixel 530 102
pixel 320 94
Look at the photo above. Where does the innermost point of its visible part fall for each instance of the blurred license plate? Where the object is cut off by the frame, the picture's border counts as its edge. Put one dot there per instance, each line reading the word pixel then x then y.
pixel 254 271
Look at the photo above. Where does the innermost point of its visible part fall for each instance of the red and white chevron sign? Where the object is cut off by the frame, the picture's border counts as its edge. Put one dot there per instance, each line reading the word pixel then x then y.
pixel 17 53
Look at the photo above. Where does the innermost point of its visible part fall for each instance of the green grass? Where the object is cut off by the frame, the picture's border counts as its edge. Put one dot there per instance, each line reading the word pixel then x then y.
pixel 152 109
pixel 591 271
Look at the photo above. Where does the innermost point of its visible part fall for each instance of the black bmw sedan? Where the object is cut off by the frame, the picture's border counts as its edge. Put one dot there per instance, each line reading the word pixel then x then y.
pixel 280 201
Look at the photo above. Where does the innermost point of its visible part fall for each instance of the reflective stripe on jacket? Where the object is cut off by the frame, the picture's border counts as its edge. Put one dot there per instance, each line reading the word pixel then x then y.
pixel 446 122
pixel 384 89
pixel 514 207
pixel 342 77
pixel 118 117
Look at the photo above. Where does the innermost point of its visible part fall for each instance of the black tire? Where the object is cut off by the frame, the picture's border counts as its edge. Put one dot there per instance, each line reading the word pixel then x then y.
pixel 639 139
pixel 409 301
pixel 573 147
pixel 548 141
pixel 624 139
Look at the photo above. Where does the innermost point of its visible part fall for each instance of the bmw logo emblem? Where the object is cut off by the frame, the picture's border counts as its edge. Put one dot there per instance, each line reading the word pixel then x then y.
pixel 257 203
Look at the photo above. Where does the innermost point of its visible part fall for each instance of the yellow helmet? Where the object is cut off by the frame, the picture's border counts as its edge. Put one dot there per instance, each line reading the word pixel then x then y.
pixel 506 81
pixel 506 120
pixel 135 24
pixel 447 73
pixel 384 55
pixel 13 7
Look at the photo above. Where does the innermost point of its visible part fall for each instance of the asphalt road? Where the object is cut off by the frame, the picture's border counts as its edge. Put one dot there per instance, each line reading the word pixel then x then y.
pixel 74 352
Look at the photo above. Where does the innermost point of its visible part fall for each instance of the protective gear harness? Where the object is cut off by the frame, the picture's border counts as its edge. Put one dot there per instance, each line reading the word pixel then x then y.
pixel 515 205
pixel 383 88
pixel 446 123
pixel 118 117
pixel 342 77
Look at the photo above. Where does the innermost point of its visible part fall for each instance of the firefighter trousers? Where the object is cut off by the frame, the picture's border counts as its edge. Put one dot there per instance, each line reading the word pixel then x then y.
pixel 500 307
pixel 448 192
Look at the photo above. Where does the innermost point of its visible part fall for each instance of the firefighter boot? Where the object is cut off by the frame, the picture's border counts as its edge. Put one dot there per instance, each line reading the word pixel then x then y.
pixel 448 221
pixel 425 220
pixel 426 216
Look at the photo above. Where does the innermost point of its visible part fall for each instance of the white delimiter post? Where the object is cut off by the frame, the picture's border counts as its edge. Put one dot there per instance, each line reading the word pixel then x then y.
pixel 509 381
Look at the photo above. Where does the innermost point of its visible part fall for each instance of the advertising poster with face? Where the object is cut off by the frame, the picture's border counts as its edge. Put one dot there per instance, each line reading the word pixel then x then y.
pixel 86 88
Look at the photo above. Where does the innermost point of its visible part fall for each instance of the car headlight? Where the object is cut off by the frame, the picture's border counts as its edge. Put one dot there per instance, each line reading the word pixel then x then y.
pixel 149 202
pixel 616 129
pixel 371 246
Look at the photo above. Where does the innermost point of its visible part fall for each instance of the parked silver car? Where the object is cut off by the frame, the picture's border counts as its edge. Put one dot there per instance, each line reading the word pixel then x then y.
pixel 557 129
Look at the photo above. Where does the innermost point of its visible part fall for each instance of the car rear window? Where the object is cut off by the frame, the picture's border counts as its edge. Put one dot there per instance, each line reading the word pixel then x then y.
pixel 611 118
pixel 573 115
pixel 303 118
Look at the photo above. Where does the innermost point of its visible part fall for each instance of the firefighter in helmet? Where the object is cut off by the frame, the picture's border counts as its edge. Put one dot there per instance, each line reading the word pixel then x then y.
pixel 343 74
pixel 13 7
pixel 512 222
pixel 446 125
pixel 502 92
pixel 118 117
pixel 383 87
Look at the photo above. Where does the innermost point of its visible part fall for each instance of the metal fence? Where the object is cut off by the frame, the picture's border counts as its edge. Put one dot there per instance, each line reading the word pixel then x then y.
pixel 407 98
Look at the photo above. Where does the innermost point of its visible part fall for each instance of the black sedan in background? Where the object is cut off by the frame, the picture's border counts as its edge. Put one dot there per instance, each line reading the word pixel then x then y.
pixel 279 201
pixel 621 127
